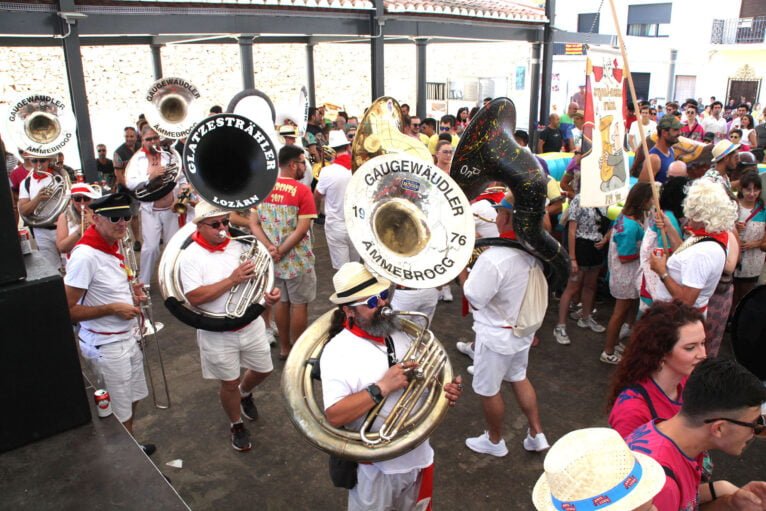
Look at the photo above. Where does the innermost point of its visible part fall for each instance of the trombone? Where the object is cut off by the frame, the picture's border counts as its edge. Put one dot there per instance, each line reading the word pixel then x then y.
pixel 147 327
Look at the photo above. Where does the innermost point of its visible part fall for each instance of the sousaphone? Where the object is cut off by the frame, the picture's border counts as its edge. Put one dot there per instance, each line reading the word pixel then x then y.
pixel 174 107
pixel 748 332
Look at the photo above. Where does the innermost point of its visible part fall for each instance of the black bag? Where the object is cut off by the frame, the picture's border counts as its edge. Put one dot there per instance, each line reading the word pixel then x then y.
pixel 343 472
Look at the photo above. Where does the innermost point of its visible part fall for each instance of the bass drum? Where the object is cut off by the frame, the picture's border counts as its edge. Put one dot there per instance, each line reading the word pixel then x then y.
pixel 748 332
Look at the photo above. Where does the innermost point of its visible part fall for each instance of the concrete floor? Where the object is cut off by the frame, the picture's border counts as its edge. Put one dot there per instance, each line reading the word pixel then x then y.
pixel 284 472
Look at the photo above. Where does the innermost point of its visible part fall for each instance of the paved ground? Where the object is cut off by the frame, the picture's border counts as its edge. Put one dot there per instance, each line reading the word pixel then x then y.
pixel 284 472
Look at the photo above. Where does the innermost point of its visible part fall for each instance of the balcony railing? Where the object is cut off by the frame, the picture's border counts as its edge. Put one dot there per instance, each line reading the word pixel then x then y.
pixel 739 31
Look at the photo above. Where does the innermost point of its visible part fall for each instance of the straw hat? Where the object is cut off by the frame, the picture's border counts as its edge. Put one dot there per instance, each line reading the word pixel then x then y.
pixel 354 282
pixel 593 465
pixel 287 131
pixel 337 139
pixel 205 210
pixel 723 149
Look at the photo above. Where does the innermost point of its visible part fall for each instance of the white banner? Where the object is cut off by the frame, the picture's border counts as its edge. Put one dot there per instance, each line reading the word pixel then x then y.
pixel 604 170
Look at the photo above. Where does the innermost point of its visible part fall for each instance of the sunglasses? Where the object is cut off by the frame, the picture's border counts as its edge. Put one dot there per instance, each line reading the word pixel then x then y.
pixel 80 198
pixel 691 112
pixel 374 300
pixel 116 219
pixel 102 150
pixel 39 160
pixel 758 425
pixel 443 128
pixel 218 223
pixel 151 139
pixel 415 125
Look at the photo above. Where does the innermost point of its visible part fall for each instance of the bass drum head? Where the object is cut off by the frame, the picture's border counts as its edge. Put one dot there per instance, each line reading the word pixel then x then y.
pixel 748 332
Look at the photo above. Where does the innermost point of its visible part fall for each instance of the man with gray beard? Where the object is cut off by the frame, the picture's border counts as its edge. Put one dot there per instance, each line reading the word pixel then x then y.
pixel 360 366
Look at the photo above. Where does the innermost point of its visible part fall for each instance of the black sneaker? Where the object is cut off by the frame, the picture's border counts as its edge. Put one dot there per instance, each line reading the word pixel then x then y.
pixel 247 405
pixel 149 449
pixel 240 437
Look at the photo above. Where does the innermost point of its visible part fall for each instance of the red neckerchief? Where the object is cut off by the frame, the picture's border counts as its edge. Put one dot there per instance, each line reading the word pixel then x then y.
pixel 509 235
pixel 93 239
pixel 493 197
pixel 344 160
pixel 721 237
pixel 40 176
pixel 361 333
pixel 147 152
pixel 208 246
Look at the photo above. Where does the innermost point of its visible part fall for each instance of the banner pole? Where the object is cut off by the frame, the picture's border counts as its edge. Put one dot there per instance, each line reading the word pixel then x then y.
pixel 647 165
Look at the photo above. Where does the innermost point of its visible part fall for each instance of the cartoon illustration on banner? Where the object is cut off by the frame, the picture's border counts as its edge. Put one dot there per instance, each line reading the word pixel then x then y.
pixel 604 176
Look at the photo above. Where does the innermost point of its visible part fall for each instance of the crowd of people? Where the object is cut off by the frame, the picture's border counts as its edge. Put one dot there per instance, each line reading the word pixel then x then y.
pixel 675 274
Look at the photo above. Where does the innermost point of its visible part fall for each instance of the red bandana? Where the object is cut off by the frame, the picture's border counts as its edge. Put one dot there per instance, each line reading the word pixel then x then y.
pixel 493 197
pixel 344 160
pixel 93 239
pixel 207 246
pixel 361 333
pixel 40 176
pixel 721 237
pixel 509 235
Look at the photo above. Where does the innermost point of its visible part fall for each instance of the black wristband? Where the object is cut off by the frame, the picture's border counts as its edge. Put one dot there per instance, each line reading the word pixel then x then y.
pixel 711 485
pixel 375 393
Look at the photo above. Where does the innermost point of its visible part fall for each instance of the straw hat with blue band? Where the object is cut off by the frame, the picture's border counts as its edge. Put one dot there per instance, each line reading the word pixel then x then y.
pixel 723 149
pixel 592 469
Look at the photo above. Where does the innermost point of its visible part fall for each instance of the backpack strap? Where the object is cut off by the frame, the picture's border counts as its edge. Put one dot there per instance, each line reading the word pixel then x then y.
pixel 641 390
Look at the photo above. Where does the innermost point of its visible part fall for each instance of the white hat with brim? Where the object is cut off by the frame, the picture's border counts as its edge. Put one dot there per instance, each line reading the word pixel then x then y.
pixel 595 465
pixel 85 189
pixel 354 282
pixel 205 210
pixel 723 149
pixel 337 139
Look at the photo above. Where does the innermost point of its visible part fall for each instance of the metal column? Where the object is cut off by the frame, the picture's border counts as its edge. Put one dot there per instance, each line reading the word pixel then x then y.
pixel 246 60
pixel 422 50
pixel 78 94
pixel 376 46
pixel 310 74
pixel 157 60
pixel 534 86
pixel 672 76
pixel 545 89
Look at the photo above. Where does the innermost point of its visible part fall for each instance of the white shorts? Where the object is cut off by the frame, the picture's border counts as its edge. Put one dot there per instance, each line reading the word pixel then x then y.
pixel 119 365
pixel 223 354
pixel 490 369
pixel 375 490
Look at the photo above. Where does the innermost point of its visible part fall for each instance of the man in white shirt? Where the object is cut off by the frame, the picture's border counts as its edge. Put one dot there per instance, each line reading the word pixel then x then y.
pixel 715 123
pixel 158 220
pixel 34 191
pixel 100 299
pixel 332 187
pixel 495 289
pixel 360 367
pixel 210 267
pixel 634 137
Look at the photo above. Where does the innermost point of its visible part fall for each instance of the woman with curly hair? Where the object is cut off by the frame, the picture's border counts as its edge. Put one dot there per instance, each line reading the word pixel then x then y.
pixel 666 345
pixel 692 273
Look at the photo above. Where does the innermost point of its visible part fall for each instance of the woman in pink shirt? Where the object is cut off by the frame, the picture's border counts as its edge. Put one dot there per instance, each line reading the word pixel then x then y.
pixel 666 345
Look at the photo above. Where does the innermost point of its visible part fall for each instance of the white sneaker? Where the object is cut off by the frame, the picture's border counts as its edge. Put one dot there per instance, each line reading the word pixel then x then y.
pixel 445 294
pixel 470 370
pixel 620 349
pixel 465 348
pixel 482 444
pixel 624 331
pixel 576 315
pixel 271 336
pixel 591 323
pixel 613 359
pixel 560 333
pixel 538 443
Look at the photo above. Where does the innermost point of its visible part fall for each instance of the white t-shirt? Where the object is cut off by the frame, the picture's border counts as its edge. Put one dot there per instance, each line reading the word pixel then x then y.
pixel 35 186
pixel 139 165
pixel 484 219
pixel 350 364
pixel 699 266
pixel 495 289
pixel 332 184
pixel 104 279
pixel 634 137
pixel 717 126
pixel 200 267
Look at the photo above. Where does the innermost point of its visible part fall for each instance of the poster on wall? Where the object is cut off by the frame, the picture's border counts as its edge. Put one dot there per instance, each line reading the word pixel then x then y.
pixel 521 73
pixel 604 170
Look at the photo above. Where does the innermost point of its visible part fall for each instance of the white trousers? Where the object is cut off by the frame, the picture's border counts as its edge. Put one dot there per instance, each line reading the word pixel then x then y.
pixel 155 226
pixel 340 246
pixel 46 243
pixel 420 300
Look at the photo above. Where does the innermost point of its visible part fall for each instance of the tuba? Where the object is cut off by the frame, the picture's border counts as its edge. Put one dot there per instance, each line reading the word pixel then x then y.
pixel 41 124
pixel 150 191
pixel 231 162
pixel 488 152
pixel 411 224
pixel 174 107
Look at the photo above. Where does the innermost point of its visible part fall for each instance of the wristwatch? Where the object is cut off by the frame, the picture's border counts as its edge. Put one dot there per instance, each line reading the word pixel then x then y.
pixel 664 276
pixel 375 393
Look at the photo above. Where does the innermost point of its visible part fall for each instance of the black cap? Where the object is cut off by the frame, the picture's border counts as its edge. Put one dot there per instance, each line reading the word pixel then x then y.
pixel 115 204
